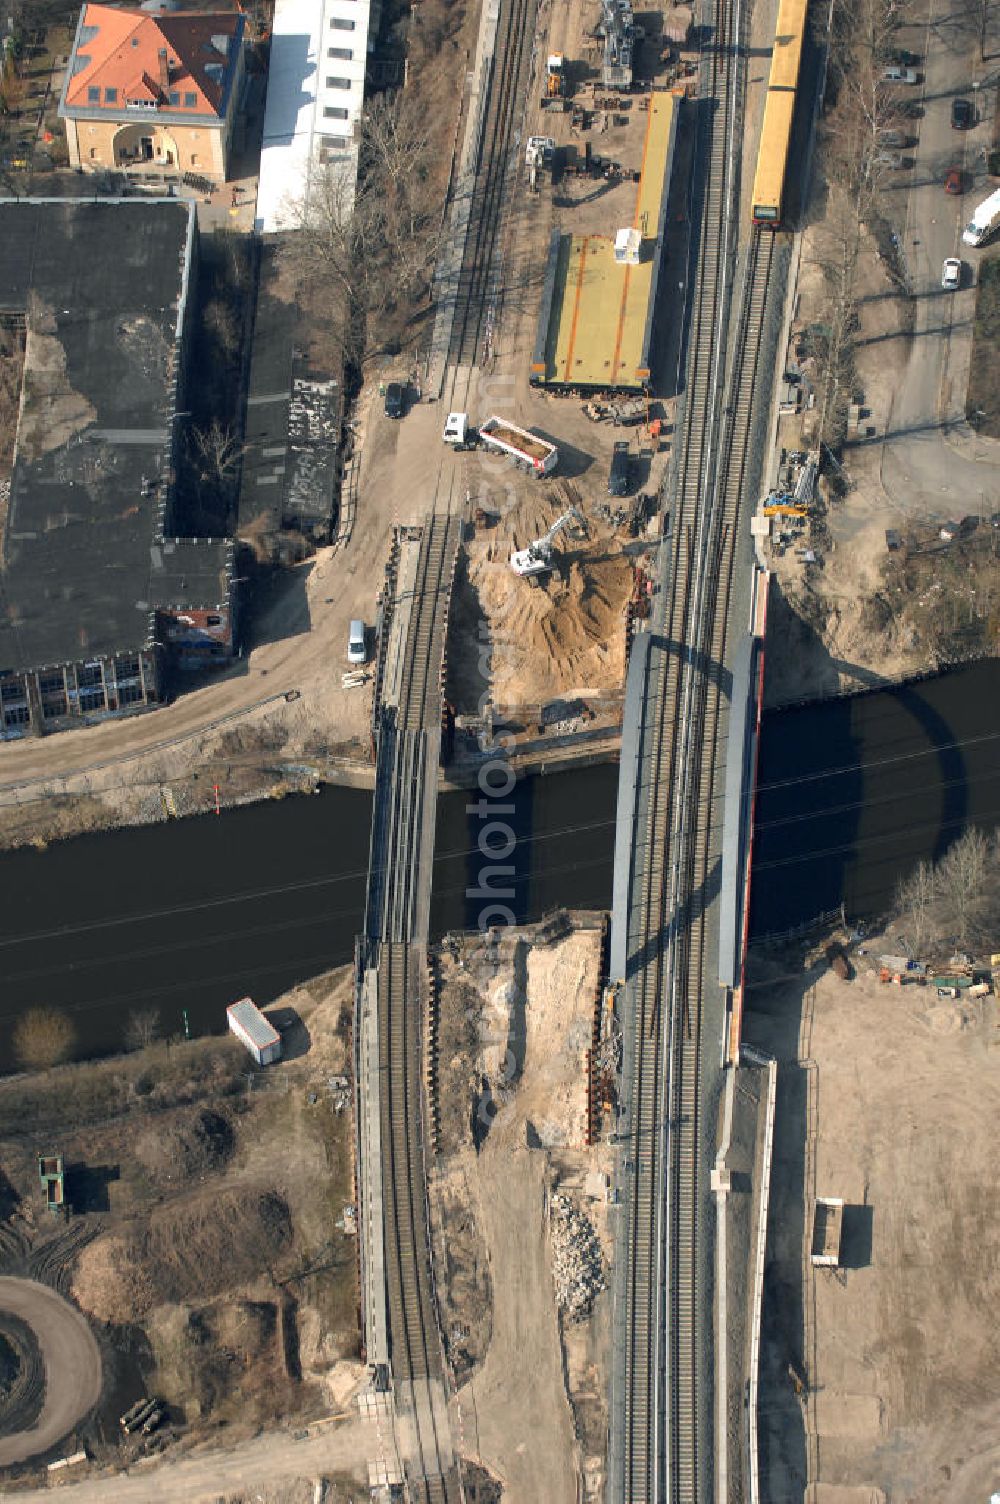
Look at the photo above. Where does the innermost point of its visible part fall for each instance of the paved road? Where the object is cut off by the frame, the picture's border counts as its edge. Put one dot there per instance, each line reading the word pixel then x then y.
pixel 202 1478
pixel 932 462
pixel 72 1365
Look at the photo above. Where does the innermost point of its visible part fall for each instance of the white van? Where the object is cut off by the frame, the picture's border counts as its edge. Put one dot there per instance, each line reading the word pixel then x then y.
pixel 984 221
pixel 357 644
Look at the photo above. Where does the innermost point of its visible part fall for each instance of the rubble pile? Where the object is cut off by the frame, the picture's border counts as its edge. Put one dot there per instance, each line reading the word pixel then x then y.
pixel 577 1265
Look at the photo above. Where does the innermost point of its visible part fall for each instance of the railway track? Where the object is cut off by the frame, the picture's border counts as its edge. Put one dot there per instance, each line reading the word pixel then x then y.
pixel 403 832
pixel 663 1391
pixel 501 136
pixel 409 736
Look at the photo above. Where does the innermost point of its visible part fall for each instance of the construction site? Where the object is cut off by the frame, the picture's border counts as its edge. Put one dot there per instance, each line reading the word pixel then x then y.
pixel 179 1213
pixel 519 1208
pixel 596 321
pixel 878 1373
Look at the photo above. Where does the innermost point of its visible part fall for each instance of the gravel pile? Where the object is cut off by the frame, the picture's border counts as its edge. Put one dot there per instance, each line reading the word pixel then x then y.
pixel 577 1265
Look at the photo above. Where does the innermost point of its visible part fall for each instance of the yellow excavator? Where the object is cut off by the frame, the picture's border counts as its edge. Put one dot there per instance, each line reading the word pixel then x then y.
pixel 785 509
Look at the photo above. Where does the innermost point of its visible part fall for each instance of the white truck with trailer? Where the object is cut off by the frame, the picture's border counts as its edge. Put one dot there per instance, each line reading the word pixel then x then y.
pixel 527 450
pixel 984 221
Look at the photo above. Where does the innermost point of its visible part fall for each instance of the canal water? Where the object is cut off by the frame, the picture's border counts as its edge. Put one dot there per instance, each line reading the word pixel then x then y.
pixel 193 914
pixel 853 793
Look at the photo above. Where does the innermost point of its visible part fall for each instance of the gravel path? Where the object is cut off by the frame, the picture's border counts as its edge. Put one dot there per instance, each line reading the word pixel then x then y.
pixel 71 1360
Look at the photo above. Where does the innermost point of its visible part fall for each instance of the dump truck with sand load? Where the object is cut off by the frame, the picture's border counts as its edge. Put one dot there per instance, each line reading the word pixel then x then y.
pixel 527 450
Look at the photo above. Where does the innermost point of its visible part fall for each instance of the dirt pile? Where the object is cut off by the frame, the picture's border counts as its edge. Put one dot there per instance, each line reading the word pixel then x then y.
pixel 200 1248
pixel 208 1357
pixel 465 1292
pixel 577 1264
pixel 177 1151
pixel 562 983
pixel 566 630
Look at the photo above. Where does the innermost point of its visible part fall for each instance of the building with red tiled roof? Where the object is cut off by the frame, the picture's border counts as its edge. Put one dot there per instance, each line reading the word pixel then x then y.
pixel 153 93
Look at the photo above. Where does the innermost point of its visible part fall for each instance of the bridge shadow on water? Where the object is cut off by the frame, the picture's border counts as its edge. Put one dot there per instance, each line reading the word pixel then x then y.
pixel 853 793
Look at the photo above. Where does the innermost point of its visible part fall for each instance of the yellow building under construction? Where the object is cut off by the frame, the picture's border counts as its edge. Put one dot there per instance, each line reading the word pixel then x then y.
pixel 595 324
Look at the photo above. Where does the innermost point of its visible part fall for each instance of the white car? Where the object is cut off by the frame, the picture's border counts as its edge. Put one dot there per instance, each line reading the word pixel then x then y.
pixel 951 274
pixel 897 75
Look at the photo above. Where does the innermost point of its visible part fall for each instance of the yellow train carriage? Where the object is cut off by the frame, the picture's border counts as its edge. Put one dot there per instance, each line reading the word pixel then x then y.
pixel 779 111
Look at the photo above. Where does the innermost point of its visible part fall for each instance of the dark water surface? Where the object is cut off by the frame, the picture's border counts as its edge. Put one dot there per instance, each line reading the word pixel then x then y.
pixel 853 793
pixel 196 913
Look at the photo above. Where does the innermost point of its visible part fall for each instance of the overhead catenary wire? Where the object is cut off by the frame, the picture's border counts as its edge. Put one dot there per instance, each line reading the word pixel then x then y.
pixel 560 833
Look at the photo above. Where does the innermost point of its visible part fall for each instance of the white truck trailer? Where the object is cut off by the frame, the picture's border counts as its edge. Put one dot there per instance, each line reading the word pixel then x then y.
pixel 253 1030
pixel 503 437
pixel 984 221
pixel 827 1231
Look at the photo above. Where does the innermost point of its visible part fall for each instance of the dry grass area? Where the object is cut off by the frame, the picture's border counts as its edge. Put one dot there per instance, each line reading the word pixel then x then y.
pixel 215 1251
pixel 943 598
pixel 11 370
pixel 982 403
pixel 882 1096
pixel 514 1029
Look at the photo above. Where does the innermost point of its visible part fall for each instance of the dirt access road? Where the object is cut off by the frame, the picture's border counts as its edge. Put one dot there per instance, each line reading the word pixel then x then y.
pixel 264 1462
pixel 71 1359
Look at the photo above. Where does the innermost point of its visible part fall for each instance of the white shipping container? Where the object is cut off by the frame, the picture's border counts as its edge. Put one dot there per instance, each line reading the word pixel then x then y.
pixel 253 1030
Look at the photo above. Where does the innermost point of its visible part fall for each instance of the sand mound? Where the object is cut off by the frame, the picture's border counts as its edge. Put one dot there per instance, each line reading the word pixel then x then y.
pixel 566 633
pixel 196 1250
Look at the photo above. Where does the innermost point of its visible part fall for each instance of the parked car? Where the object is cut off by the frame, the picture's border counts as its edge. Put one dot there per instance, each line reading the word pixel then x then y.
pixel 893 139
pixel 357 643
pixel 395 400
pixel 953 180
pixel 903 59
pixel 911 109
pixel 889 159
pixel 963 115
pixel 895 75
pixel 951 274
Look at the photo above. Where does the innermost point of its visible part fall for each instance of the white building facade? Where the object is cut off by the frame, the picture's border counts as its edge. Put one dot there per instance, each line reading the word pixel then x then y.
pixel 315 97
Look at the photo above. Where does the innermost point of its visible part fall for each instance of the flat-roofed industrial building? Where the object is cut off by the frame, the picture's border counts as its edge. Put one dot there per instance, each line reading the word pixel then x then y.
pixel 597 315
pixel 102 590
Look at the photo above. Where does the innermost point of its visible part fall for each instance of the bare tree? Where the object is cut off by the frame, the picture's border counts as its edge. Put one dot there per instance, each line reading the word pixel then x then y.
pixel 961 878
pixel 142 1029
pixel 916 903
pixel 955 899
pixel 43 1037
pixel 216 452
pixel 362 245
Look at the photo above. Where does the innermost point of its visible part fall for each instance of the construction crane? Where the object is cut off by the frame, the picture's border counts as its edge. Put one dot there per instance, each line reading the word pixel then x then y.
pixel 537 557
